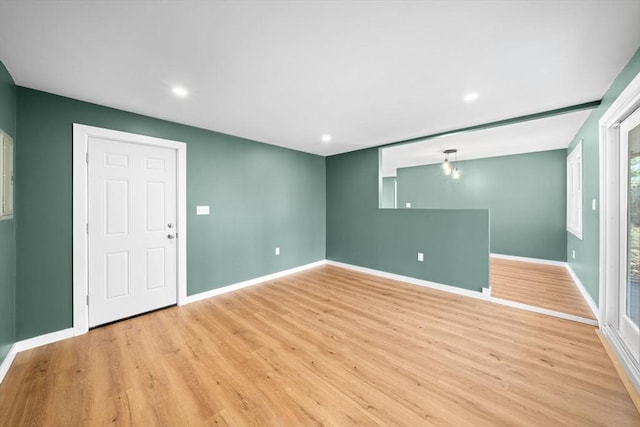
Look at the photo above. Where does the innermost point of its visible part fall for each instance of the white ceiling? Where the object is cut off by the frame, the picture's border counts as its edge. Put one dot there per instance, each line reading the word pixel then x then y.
pixel 537 135
pixel 286 72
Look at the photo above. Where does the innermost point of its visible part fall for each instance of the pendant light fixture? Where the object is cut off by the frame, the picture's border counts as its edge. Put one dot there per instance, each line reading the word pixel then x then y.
pixel 449 166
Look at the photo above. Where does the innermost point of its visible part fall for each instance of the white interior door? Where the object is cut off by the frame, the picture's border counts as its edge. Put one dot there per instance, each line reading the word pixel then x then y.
pixel 629 291
pixel 131 229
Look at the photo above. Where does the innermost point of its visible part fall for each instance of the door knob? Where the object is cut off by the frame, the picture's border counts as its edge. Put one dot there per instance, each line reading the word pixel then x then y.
pixel 170 236
pixel 170 225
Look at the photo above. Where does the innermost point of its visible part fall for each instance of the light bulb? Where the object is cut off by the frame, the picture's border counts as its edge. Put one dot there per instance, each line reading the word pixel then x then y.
pixel 456 173
pixel 446 166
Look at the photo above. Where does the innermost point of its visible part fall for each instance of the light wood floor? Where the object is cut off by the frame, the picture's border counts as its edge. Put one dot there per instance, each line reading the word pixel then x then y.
pixel 546 286
pixel 324 347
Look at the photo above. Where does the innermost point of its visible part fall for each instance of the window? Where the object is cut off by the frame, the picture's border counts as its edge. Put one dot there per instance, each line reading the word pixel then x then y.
pixel 6 176
pixel 574 191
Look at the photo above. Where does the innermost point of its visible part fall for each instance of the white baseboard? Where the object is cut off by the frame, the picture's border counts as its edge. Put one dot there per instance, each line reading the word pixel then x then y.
pixel 251 282
pixel 45 339
pixel 464 292
pixel 532 260
pixel 68 333
pixel 540 310
pixel 587 297
pixel 412 280
pixel 30 343
pixel 8 360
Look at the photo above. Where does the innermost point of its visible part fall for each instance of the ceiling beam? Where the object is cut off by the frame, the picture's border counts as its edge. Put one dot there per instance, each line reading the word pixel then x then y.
pixel 505 122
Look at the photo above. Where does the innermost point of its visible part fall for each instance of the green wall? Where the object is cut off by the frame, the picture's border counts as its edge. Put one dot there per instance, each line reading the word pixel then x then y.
pixel 585 264
pixel 7 226
pixel 261 196
pixel 455 243
pixel 525 195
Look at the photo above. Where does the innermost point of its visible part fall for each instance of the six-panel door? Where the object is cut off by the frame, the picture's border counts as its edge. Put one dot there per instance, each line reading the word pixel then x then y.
pixel 131 229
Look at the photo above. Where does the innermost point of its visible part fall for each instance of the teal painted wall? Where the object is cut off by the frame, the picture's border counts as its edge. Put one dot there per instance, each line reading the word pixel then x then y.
pixel 261 196
pixel 7 226
pixel 525 195
pixel 455 243
pixel 388 196
pixel 585 264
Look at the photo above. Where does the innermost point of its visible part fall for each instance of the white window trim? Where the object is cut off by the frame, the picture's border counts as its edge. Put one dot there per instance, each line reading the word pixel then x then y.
pixel 574 191
pixel 610 211
pixel 81 135
pixel 4 140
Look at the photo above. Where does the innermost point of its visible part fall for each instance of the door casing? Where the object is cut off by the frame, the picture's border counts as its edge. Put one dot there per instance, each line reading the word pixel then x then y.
pixel 81 135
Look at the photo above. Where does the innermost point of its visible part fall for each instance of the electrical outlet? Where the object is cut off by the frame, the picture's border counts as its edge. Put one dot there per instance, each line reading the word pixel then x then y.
pixel 407 205
pixel 420 256
pixel 277 251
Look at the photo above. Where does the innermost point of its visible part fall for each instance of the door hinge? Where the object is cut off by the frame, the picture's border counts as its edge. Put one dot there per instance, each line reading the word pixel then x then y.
pixel 87 228
pixel 86 157
pixel 87 299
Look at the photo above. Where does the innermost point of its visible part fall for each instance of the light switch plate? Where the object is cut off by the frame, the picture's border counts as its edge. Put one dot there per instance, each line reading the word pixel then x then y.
pixel 420 256
pixel 202 210
pixel 593 204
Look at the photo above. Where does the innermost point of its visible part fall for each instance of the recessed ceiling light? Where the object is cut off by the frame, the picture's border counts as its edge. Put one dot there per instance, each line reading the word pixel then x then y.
pixel 326 138
pixel 470 97
pixel 179 91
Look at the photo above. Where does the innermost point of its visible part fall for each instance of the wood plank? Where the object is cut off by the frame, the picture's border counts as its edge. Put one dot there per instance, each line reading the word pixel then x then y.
pixel 540 285
pixel 323 347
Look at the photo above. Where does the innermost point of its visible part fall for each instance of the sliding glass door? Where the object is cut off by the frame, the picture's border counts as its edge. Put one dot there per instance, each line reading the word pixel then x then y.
pixel 629 292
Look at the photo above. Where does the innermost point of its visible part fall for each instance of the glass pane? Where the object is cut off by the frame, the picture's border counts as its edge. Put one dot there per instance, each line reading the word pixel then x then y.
pixel 633 247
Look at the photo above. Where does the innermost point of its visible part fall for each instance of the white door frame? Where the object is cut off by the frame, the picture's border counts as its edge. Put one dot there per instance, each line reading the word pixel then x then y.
pixel 81 135
pixel 610 211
